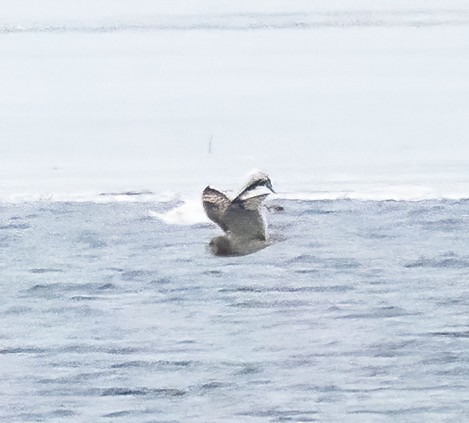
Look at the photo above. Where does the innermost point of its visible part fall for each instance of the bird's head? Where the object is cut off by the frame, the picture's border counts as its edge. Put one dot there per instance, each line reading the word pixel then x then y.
pixel 257 180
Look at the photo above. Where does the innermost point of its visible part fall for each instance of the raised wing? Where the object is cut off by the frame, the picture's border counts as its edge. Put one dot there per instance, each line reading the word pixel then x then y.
pixel 253 202
pixel 244 219
pixel 240 218
pixel 216 204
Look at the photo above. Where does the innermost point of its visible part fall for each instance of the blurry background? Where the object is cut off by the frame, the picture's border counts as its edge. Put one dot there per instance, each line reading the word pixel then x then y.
pixel 327 96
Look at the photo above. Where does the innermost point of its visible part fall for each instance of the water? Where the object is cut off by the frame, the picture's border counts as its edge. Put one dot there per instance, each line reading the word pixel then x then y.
pixel 111 307
pixel 358 313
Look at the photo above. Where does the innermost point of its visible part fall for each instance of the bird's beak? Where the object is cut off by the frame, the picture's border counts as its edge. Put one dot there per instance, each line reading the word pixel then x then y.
pixel 269 185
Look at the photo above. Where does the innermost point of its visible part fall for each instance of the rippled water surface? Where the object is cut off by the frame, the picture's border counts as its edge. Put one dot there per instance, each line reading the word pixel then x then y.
pixel 359 312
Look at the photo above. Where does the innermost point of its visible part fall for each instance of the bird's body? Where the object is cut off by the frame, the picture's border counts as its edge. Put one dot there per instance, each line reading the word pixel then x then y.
pixel 240 218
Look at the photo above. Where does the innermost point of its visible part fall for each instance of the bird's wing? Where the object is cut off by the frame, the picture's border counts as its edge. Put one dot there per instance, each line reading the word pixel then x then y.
pixel 215 204
pixel 253 202
pixel 253 191
pixel 244 220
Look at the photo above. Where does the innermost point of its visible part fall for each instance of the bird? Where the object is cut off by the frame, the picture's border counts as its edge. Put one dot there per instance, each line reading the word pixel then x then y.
pixel 240 218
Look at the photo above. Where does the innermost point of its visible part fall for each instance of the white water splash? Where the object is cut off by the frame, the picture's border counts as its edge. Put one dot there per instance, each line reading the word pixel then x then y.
pixel 190 212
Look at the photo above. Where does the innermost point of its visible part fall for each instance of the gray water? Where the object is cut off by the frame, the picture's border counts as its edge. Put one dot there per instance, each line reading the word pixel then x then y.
pixel 358 313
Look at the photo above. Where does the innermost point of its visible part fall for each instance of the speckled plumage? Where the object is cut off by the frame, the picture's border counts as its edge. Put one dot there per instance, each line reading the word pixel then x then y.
pixel 241 218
